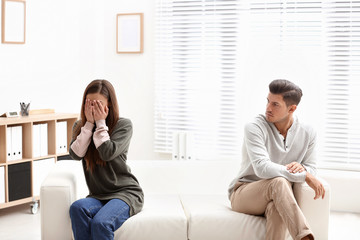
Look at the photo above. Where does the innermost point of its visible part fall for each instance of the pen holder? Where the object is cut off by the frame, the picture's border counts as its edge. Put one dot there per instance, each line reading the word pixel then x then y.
pixel 24 109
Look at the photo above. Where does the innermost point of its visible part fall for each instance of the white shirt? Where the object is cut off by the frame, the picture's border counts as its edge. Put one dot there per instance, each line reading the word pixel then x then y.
pixel 265 152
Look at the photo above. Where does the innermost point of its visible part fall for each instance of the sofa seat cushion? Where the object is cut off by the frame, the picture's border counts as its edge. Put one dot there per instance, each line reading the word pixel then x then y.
pixel 210 217
pixel 162 218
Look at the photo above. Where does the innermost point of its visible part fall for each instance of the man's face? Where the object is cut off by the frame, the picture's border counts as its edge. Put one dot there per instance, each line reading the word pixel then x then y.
pixel 276 109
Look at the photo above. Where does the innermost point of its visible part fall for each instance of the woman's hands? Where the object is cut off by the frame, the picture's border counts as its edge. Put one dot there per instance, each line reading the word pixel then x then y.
pixel 94 110
pixel 89 109
pixel 100 112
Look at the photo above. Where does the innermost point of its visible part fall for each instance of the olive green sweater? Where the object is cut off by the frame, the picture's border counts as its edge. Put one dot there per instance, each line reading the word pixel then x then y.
pixel 114 180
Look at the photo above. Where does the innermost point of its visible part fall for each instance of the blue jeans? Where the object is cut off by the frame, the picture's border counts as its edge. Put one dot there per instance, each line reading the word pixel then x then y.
pixel 95 219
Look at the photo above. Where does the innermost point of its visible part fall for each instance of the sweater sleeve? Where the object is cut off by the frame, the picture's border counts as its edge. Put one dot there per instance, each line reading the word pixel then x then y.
pixel 118 143
pixel 309 161
pixel 101 133
pixel 260 160
pixel 80 145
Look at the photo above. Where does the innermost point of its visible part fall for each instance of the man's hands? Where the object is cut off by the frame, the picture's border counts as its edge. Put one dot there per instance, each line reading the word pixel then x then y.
pixel 94 110
pixel 295 167
pixel 313 182
pixel 316 185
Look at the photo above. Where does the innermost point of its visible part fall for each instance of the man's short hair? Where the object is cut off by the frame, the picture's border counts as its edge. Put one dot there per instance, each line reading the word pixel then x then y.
pixel 291 93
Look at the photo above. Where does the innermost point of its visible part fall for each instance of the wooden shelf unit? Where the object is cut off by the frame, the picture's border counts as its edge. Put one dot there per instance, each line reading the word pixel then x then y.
pixel 27 123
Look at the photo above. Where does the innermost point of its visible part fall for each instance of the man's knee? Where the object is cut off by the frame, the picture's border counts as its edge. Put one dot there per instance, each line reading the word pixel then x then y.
pixel 280 183
pixel 281 180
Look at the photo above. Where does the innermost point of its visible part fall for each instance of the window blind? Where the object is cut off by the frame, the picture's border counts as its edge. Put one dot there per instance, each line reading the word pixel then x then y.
pixel 342 121
pixel 205 48
pixel 285 32
pixel 327 32
pixel 289 24
pixel 196 55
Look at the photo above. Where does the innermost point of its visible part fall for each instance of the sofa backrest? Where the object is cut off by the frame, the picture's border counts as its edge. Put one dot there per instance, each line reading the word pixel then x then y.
pixel 168 176
pixel 184 177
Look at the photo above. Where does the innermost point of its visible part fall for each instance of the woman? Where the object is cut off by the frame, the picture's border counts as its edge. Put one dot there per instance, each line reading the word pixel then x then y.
pixel 101 140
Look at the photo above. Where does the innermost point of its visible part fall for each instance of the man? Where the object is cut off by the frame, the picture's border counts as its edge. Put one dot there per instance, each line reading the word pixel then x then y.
pixel 277 151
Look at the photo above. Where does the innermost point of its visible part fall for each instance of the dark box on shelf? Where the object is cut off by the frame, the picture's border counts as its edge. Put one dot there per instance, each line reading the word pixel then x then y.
pixel 19 181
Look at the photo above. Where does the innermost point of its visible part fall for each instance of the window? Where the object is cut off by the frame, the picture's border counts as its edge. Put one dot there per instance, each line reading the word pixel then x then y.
pixel 341 143
pixel 196 55
pixel 208 50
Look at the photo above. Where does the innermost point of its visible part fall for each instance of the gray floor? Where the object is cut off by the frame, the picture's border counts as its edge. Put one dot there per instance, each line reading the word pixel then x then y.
pixel 17 223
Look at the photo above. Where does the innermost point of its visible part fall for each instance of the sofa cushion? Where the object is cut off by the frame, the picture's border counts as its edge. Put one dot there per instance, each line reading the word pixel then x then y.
pixel 162 218
pixel 210 217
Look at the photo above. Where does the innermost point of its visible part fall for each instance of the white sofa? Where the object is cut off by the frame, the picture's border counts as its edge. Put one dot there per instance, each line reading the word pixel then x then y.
pixel 183 201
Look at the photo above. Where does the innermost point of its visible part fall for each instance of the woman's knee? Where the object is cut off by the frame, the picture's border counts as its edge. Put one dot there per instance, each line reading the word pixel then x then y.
pixel 100 224
pixel 75 208
pixel 84 206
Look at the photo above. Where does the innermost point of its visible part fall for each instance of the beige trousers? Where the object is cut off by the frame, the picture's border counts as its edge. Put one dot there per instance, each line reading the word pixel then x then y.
pixel 275 199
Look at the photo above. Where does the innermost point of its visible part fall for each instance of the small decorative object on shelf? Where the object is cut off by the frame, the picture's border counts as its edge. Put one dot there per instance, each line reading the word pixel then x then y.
pixel 10 114
pixel 24 109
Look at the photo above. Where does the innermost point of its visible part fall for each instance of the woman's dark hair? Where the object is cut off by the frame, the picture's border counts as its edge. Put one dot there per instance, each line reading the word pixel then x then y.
pixel 291 93
pixel 106 89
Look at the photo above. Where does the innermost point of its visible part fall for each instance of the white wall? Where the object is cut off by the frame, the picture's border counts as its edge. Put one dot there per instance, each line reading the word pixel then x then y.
pixel 69 43
pixel 133 76
pixel 50 69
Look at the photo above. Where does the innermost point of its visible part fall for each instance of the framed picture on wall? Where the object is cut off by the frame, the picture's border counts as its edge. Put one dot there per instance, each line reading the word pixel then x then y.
pixel 129 32
pixel 13 21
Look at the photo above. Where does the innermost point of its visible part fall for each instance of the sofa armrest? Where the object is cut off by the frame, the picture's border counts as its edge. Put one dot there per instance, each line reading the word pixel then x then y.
pixel 58 191
pixel 317 212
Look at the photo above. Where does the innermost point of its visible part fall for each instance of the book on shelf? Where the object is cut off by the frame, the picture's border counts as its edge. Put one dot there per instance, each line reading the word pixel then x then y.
pixel 14 143
pixel 61 137
pixel 40 140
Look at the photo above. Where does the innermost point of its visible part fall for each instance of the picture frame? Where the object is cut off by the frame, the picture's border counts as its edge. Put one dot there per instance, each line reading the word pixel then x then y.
pixel 129 33
pixel 13 21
